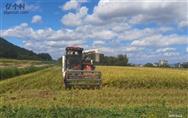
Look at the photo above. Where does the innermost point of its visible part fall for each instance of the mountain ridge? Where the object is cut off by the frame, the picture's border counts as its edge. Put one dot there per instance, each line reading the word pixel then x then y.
pixel 11 51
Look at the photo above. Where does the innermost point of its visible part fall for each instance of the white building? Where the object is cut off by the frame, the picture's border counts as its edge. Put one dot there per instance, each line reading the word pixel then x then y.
pixel 163 62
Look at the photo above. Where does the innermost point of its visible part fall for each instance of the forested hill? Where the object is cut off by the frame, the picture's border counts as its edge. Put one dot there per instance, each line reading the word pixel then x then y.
pixel 11 51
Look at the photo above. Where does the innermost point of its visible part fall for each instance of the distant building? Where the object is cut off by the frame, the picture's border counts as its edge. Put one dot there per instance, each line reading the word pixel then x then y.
pixel 97 57
pixel 179 65
pixel 163 62
pixel 139 65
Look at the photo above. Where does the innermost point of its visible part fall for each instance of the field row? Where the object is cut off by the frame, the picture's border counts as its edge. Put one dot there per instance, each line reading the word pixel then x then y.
pixel 103 98
pixel 4 63
pixel 45 89
pixel 14 71
pixel 135 77
pixel 64 112
pixel 117 77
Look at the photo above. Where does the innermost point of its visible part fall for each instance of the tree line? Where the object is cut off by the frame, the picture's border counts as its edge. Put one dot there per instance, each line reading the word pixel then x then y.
pixel 120 60
pixel 176 65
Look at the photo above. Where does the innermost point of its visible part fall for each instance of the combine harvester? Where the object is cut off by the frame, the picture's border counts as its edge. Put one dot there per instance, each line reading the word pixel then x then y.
pixel 78 68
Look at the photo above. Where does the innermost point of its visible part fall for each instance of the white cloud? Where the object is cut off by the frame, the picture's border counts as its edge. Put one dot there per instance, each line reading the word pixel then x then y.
pixel 134 34
pixel 74 19
pixel 25 32
pixel 45 40
pixel 83 11
pixel 36 19
pixel 111 28
pixel 166 50
pixel 159 40
pixel 71 19
pixel 169 54
pixel 184 23
pixel 102 34
pixel 72 4
pixel 20 31
pixel 97 43
pixel 103 37
pixel 132 49
pixel 161 11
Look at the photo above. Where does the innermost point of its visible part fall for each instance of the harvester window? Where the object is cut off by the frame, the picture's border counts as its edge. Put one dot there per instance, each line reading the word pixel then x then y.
pixel 76 53
pixel 73 53
pixel 70 52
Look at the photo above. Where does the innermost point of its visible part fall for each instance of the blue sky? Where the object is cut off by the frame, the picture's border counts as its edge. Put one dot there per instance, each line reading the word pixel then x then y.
pixel 145 30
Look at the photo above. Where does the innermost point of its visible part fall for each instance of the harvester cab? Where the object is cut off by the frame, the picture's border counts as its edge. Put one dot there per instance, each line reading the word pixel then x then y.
pixel 78 68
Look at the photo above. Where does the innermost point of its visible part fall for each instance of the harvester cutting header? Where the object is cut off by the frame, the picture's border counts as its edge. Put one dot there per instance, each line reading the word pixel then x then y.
pixel 78 68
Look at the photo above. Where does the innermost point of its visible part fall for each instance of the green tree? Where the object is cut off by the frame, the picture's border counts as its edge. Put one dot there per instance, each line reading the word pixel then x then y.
pixel 148 65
